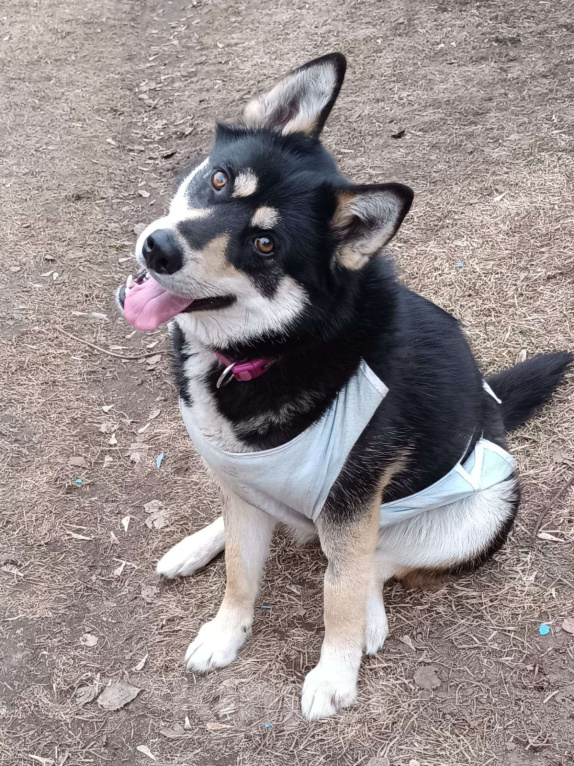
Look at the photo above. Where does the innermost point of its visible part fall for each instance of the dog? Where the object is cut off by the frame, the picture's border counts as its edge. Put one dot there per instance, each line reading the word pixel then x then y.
pixel 320 391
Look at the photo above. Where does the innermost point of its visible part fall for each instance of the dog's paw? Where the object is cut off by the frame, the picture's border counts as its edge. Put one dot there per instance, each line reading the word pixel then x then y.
pixel 193 552
pixel 329 687
pixel 217 644
pixel 377 626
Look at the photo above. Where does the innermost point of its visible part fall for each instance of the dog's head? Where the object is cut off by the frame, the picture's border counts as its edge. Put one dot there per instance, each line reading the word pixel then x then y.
pixel 264 233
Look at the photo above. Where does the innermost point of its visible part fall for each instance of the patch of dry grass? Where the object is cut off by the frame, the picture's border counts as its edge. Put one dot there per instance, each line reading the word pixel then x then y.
pixel 484 93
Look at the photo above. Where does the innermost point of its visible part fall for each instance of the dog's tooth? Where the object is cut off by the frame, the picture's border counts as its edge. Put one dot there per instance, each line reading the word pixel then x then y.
pixel 129 281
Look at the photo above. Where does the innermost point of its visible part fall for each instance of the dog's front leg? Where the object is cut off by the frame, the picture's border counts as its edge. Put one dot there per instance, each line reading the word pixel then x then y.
pixel 349 544
pixel 248 533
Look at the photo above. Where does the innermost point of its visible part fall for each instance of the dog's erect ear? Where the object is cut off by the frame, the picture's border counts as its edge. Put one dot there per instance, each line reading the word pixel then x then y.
pixel 366 218
pixel 301 101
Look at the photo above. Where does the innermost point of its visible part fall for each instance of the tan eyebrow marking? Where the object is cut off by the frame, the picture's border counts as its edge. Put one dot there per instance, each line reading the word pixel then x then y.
pixel 245 184
pixel 196 212
pixel 265 217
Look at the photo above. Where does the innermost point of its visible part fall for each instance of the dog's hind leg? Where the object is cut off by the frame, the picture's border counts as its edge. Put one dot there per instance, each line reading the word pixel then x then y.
pixel 376 624
pixel 193 552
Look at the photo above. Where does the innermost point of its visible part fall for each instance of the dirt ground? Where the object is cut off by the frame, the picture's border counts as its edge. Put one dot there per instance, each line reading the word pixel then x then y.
pixel 101 101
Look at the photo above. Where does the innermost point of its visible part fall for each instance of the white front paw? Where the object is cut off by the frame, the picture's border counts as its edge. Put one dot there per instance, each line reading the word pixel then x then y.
pixel 329 687
pixel 193 552
pixel 377 626
pixel 217 644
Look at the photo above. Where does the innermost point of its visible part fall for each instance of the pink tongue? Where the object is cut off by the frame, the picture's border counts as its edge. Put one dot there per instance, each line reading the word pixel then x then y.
pixel 148 305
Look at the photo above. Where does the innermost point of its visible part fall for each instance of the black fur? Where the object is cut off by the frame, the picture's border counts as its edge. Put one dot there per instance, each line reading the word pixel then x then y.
pixel 525 387
pixel 436 408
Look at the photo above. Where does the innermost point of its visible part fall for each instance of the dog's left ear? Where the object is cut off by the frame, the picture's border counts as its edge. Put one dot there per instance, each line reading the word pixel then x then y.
pixel 366 218
pixel 301 101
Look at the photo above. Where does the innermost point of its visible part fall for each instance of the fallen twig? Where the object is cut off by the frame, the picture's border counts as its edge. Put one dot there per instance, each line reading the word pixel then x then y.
pixel 105 351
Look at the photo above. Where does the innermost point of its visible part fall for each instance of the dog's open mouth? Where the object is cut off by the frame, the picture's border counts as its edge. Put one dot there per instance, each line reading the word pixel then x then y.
pixel 147 304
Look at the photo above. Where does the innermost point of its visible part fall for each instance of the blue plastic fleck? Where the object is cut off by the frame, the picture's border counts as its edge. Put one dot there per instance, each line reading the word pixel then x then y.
pixel 544 629
pixel 79 481
pixel 268 725
pixel 459 264
pixel 159 459
pixel 265 607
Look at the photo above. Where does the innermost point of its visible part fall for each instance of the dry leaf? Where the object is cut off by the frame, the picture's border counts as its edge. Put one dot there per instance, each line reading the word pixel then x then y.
pixel 153 360
pixel 143 429
pixel 107 407
pixel 138 451
pixel 407 640
pixel 111 142
pixel 142 662
pixel 174 733
pixel 86 694
pixel 138 228
pixel 427 678
pixel 187 722
pixel 88 639
pixel 117 695
pixel 77 462
pixel 157 515
pixel 114 539
pixel 43 761
pixel 126 523
pixel 119 570
pixel 154 414
pixel 146 751
pixel 108 460
pixel 568 625
pixel 215 726
pixel 143 193
pixel 107 428
pixel 113 441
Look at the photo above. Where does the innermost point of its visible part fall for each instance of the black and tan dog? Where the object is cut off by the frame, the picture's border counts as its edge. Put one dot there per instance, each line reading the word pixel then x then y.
pixel 319 390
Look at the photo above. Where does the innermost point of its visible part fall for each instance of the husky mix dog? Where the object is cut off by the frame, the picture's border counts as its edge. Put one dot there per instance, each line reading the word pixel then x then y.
pixel 320 391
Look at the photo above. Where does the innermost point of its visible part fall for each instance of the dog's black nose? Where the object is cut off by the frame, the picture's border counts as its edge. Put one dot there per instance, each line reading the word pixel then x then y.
pixel 162 253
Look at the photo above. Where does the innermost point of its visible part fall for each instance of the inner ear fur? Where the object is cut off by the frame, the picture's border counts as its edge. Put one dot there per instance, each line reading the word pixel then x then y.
pixel 302 100
pixel 366 218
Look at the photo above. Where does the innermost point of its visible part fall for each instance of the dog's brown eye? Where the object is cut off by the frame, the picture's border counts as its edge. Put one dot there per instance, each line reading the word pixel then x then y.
pixel 264 245
pixel 219 180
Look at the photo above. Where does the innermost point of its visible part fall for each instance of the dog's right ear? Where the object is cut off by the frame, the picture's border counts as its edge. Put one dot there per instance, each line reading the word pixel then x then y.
pixel 301 101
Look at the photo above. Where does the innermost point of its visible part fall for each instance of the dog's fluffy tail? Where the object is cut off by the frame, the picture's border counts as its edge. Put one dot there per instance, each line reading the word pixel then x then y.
pixel 528 385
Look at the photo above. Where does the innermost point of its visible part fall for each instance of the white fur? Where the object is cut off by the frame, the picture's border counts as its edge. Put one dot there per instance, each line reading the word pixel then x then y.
pixel 376 623
pixel 248 535
pixel 193 552
pixel 218 642
pixel 447 536
pixel 332 684
pixel 251 316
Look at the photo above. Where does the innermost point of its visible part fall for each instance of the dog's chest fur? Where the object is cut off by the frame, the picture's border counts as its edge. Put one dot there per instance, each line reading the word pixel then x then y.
pixel 252 426
pixel 195 365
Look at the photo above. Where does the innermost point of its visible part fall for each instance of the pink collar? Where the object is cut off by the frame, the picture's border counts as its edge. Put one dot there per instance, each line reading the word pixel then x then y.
pixel 248 369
